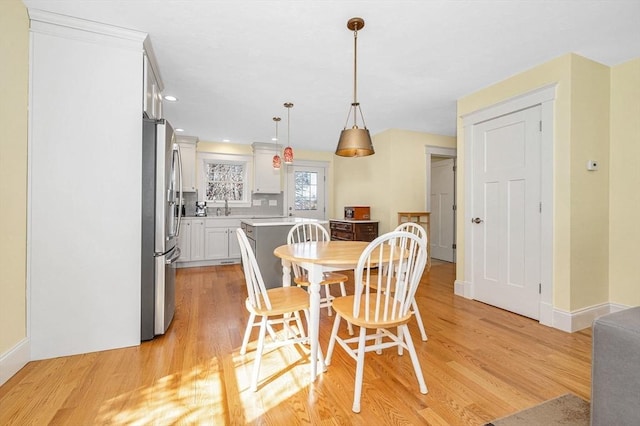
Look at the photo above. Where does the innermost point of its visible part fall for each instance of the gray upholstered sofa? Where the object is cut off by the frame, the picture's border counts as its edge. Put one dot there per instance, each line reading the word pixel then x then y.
pixel 615 376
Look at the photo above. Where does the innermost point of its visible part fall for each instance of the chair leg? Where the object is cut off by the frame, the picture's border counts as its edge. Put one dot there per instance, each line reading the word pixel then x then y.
pixel 416 312
pixel 247 333
pixel 414 359
pixel 357 391
pixel 299 322
pixel 256 363
pixel 332 339
pixel 343 293
pixel 399 334
pixel 327 295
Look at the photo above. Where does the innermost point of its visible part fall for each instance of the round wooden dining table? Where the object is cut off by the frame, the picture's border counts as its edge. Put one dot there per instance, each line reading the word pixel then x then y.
pixel 318 257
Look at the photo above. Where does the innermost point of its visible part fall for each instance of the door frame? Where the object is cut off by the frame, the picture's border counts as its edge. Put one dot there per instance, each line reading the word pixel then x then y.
pixel 545 97
pixel 438 151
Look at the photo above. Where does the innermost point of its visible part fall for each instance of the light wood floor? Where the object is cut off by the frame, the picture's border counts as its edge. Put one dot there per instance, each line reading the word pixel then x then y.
pixel 479 363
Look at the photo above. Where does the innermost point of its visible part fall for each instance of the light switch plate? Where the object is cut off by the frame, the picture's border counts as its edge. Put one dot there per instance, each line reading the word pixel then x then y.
pixel 273 202
pixel 257 202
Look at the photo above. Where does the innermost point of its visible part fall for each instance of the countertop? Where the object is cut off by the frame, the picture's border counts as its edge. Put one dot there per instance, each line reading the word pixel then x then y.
pixel 281 221
pixel 239 217
pixel 354 221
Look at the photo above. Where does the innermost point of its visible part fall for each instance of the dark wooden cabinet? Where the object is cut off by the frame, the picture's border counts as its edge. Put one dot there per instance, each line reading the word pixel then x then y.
pixel 353 230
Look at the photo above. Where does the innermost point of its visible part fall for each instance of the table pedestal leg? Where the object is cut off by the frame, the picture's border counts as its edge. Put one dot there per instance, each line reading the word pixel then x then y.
pixel 315 277
pixel 286 273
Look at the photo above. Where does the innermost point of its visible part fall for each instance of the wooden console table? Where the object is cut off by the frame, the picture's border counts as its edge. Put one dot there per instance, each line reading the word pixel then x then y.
pixel 422 219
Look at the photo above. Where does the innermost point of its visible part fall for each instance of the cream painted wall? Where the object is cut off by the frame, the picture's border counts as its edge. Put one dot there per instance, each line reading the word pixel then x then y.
pixel 580 213
pixel 14 74
pixel 624 177
pixel 589 189
pixel 391 180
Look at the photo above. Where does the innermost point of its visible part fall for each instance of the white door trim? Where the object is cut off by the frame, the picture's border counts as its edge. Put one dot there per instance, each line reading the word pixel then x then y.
pixel 545 97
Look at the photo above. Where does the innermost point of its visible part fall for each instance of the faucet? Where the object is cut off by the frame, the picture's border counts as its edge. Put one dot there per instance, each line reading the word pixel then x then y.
pixel 227 210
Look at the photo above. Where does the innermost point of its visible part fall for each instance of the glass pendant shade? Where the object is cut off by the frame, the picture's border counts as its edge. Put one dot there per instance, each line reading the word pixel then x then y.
pixel 276 162
pixel 288 155
pixel 288 151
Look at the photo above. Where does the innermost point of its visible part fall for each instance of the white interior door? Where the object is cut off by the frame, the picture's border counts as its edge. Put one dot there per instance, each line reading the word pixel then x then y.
pixel 506 212
pixel 306 190
pixel 442 213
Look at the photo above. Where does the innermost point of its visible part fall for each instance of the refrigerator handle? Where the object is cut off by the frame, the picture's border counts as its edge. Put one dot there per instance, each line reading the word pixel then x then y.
pixel 176 254
pixel 180 197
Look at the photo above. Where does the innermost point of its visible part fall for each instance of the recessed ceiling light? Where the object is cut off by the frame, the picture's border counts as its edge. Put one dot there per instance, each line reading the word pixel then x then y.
pixel 226 140
pixel 179 130
pixel 170 98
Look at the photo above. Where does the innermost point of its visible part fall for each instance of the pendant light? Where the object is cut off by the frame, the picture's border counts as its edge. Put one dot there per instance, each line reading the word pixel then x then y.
pixel 355 142
pixel 276 162
pixel 288 151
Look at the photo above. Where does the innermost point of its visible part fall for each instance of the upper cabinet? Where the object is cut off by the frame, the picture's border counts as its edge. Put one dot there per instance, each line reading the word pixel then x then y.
pixel 266 179
pixel 152 101
pixel 188 155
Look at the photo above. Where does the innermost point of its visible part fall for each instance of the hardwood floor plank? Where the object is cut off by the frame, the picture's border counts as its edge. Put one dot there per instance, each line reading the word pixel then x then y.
pixel 480 363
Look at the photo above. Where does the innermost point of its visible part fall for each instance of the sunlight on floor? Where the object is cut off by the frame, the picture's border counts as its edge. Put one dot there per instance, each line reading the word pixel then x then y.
pixel 191 397
pixel 197 396
pixel 284 372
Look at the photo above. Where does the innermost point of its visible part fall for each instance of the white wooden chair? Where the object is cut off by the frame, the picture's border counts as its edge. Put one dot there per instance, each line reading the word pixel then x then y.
pixel 302 232
pixel 280 305
pixel 418 230
pixel 379 308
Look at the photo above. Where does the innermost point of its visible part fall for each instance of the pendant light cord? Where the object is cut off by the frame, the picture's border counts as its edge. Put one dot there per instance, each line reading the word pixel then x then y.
pixel 355 66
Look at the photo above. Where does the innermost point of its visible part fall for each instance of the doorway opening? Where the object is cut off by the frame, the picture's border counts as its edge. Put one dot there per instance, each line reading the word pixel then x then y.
pixel 441 199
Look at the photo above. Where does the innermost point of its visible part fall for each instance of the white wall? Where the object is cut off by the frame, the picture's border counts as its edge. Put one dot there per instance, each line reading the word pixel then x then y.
pixel 84 232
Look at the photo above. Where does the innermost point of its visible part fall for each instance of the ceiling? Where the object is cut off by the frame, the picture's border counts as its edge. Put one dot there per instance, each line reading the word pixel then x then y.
pixel 233 63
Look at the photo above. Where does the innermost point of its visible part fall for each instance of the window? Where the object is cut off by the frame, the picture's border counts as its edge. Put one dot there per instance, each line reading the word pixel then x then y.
pixel 224 177
pixel 306 192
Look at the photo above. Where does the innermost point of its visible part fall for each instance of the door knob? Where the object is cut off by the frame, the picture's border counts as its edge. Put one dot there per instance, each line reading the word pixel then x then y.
pixel 476 220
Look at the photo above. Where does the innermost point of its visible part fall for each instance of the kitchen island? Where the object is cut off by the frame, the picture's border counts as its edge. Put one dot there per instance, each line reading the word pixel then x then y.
pixel 265 235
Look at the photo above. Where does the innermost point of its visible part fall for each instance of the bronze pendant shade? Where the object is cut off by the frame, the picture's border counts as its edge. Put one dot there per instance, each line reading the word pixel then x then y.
pixel 356 141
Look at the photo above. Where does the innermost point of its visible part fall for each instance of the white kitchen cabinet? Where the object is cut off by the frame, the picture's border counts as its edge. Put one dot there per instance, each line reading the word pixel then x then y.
pixel 266 179
pixel 188 155
pixel 221 242
pixel 184 240
pixel 152 101
pixel 234 245
pixel 216 243
pixel 209 241
pixel 197 240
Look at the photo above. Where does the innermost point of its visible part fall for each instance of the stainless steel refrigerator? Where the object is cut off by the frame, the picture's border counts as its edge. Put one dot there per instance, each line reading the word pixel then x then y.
pixel 161 193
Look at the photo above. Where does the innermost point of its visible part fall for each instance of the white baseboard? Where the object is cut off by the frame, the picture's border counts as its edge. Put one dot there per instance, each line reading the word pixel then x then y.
pixel 582 318
pixel 462 288
pixel 552 317
pixel 546 314
pixel 14 359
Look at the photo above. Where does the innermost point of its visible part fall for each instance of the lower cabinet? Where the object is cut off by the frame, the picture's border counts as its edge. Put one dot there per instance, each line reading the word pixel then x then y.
pixel 353 230
pixel 211 241
pixel 184 240
pixel 197 240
